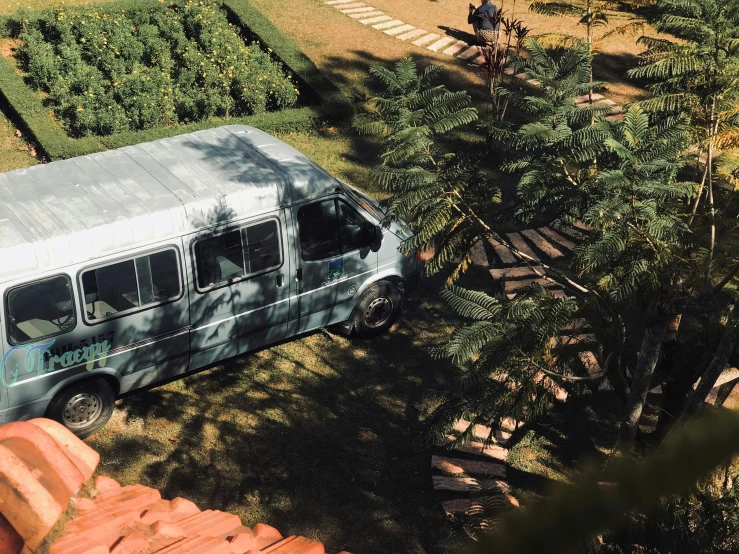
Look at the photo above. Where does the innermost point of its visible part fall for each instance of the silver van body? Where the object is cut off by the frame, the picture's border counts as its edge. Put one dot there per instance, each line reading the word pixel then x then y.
pixel 147 262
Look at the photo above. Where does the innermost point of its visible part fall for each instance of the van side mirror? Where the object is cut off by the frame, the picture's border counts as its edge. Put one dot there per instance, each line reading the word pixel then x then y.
pixel 369 233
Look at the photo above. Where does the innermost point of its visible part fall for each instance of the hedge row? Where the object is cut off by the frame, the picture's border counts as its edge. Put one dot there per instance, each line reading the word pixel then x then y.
pixel 324 99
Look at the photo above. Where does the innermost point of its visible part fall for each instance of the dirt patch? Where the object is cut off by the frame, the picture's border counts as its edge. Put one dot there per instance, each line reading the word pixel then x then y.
pixel 8 47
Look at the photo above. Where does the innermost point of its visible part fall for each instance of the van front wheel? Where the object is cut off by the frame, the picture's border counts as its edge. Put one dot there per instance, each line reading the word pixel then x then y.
pixel 83 407
pixel 377 309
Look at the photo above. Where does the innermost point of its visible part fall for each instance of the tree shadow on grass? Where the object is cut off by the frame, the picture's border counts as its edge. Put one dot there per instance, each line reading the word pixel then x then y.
pixel 315 436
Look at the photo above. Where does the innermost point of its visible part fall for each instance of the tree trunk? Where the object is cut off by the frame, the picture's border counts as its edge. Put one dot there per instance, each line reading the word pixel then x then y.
pixel 651 345
pixel 685 362
pixel 712 373
pixel 724 391
pixel 698 197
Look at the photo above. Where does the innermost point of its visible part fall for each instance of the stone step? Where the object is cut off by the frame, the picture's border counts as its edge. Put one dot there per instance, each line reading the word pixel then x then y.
pixel 504 255
pixel 375 19
pixel 482 432
pixel 557 293
pixel 542 244
pixel 467 54
pixel 458 466
pixel 571 232
pixel 358 10
pixel 412 34
pixel 465 484
pixel 439 44
pixel 479 60
pixel 335 2
pixel 398 30
pixel 575 325
pixel 366 14
pixel 579 225
pixel 590 362
pixel 352 5
pixel 522 75
pixel 455 48
pixel 584 98
pixel 479 257
pixel 520 244
pixel 513 286
pixel 556 237
pixel 464 505
pixel 509 70
pixel 494 452
pixel 617 117
pixel 431 37
pixel 572 340
pixel 388 24
pixel 515 272
pixel 606 102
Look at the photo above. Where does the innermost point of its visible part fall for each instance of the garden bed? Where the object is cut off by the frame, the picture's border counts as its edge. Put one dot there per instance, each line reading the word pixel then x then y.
pixel 130 71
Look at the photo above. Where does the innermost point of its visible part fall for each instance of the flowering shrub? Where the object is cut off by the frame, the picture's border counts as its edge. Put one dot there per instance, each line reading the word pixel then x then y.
pixel 111 70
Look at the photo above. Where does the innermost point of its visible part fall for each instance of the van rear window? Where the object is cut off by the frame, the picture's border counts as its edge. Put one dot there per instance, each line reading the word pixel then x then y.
pixel 238 254
pixel 40 310
pixel 131 284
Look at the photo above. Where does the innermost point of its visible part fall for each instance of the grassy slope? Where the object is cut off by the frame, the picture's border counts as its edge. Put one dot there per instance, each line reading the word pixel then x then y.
pixel 315 436
pixel 14 152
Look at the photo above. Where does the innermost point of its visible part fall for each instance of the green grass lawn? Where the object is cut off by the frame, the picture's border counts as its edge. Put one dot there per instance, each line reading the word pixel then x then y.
pixel 321 436
pixel 317 436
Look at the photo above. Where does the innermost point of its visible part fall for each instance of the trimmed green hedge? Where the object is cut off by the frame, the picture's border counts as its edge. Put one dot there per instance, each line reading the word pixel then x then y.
pixel 325 102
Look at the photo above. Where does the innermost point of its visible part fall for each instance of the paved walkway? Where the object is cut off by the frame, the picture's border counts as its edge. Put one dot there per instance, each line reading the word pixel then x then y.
pixel 459 49
pixel 472 477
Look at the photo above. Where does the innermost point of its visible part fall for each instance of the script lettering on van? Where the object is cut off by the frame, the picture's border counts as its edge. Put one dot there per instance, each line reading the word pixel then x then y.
pixel 39 360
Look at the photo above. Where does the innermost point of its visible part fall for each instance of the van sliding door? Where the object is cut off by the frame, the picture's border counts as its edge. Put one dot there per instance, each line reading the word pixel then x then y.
pixel 239 294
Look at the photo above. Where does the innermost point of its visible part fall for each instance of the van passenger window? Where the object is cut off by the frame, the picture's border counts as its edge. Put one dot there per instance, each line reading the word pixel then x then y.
pixel 238 254
pixel 131 284
pixel 40 310
pixel 330 228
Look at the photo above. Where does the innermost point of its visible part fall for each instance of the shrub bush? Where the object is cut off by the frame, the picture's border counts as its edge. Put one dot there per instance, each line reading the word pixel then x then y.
pixel 108 69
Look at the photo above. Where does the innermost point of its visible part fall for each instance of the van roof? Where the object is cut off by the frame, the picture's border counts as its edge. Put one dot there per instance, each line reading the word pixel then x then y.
pixel 82 208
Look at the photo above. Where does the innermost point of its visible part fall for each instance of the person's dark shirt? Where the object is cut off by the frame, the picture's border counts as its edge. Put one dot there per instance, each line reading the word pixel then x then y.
pixel 478 16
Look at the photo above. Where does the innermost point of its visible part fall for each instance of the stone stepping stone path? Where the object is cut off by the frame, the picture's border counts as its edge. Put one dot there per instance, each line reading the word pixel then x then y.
pixel 474 475
pixel 459 49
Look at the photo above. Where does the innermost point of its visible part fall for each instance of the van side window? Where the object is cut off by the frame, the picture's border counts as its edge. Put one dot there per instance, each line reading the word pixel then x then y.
pixel 40 310
pixel 238 254
pixel 330 228
pixel 131 284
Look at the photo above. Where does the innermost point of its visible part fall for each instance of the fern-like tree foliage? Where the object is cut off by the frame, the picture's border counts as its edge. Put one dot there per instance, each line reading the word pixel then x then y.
pixel 440 195
pixel 697 74
pixel 634 204
pixel 554 153
pixel 592 15
pixel 510 369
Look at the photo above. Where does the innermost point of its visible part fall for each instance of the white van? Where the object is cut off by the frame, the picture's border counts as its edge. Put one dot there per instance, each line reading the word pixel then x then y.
pixel 136 265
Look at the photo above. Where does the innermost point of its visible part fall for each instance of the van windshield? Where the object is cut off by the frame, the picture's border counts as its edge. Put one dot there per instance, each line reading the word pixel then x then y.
pixel 367 203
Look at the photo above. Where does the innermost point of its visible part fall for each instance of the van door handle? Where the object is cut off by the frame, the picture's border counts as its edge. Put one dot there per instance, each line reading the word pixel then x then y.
pixel 280 279
pixel 299 274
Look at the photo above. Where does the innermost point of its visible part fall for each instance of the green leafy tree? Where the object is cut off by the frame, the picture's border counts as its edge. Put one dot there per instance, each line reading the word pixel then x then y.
pixel 554 152
pixel 510 371
pixel 697 74
pixel 591 14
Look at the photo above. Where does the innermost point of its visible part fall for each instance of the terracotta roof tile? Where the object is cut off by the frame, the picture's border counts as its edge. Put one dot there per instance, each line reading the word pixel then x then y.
pixel 42 467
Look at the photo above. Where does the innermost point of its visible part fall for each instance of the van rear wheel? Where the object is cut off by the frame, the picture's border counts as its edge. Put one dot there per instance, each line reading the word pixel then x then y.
pixel 83 407
pixel 378 309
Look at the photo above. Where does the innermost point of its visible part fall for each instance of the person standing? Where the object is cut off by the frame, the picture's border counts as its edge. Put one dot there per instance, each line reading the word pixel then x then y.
pixel 484 22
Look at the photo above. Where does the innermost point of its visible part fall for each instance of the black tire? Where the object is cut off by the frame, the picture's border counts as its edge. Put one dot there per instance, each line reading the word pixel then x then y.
pixel 83 407
pixel 377 309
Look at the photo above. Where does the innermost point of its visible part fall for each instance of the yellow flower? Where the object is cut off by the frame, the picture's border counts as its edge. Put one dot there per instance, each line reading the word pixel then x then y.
pixel 79 108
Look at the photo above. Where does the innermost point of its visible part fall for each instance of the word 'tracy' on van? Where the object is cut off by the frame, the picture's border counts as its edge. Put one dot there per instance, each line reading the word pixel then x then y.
pixel 128 267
